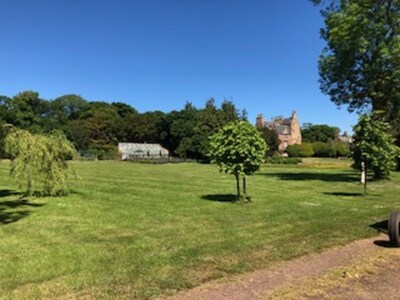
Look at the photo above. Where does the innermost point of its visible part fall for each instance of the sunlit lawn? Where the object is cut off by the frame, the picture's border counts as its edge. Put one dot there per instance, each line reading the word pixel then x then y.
pixel 140 230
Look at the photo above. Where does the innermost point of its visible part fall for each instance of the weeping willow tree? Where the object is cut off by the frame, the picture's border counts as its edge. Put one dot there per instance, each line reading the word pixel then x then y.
pixel 39 162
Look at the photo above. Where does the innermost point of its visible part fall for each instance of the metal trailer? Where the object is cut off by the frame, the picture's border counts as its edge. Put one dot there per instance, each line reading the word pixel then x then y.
pixel 394 228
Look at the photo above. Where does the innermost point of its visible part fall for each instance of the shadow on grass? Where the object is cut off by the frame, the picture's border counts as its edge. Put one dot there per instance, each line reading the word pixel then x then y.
pixel 380 226
pixel 10 211
pixel 383 228
pixel 75 192
pixel 220 197
pixel 343 177
pixel 7 193
pixel 344 194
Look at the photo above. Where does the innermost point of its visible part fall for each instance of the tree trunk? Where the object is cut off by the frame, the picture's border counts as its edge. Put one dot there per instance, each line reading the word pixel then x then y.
pixel 29 186
pixel 237 186
pixel 362 172
pixel 244 186
pixel 365 183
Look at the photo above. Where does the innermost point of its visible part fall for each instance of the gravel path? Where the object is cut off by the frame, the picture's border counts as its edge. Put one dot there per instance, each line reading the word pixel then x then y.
pixel 261 284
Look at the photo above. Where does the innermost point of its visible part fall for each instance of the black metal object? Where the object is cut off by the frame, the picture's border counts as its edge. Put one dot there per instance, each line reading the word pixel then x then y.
pixel 394 228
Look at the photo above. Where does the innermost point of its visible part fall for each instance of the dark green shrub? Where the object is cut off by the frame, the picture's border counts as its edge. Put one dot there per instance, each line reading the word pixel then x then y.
pixel 325 149
pixel 279 160
pixel 300 150
pixel 342 149
pixel 293 150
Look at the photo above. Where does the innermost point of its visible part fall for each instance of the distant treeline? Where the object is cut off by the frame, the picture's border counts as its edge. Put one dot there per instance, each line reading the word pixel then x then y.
pixel 96 127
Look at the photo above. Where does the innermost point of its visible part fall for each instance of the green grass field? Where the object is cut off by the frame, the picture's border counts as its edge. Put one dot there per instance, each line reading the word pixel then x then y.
pixel 138 230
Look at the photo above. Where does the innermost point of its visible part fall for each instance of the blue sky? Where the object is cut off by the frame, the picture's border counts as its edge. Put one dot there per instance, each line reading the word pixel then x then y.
pixel 158 54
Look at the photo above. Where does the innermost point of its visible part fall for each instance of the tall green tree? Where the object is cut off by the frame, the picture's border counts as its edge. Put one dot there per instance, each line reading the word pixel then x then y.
pixel 374 145
pixel 311 133
pixel 62 111
pixel 360 66
pixel 238 149
pixel 27 111
pixel 4 107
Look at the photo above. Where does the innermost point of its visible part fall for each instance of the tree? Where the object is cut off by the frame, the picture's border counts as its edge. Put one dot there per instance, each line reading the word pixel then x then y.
pixel 238 149
pixel 271 138
pixel 374 145
pixel 318 133
pixel 4 107
pixel 27 111
pixel 124 109
pixel 38 162
pixel 360 66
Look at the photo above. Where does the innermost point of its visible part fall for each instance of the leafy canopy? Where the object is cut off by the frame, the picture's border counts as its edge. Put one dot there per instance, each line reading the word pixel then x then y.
pixel 238 148
pixel 361 64
pixel 374 145
pixel 38 162
pixel 318 133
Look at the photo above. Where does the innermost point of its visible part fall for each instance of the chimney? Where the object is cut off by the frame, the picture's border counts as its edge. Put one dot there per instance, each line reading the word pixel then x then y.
pixel 260 121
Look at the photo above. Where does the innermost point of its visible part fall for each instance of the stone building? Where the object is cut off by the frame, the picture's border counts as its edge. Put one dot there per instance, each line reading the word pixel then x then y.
pixel 288 129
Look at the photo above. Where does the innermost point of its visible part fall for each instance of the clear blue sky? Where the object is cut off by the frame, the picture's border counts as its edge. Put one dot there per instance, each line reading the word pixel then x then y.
pixel 158 54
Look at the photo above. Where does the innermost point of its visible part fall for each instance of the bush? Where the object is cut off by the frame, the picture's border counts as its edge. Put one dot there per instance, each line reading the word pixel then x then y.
pixel 279 160
pixel 324 149
pixel 300 150
pixel 342 149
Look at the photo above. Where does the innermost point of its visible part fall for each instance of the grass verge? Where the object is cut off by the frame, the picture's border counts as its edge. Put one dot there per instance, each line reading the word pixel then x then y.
pixel 141 231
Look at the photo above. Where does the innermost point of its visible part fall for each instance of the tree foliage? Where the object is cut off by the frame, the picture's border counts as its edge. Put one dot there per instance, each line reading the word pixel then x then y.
pixel 238 149
pixel 311 133
pixel 374 145
pixel 300 150
pixel 96 127
pixel 360 67
pixel 271 138
pixel 38 162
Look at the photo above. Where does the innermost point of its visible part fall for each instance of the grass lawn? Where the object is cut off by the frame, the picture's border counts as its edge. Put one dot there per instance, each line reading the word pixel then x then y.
pixel 137 230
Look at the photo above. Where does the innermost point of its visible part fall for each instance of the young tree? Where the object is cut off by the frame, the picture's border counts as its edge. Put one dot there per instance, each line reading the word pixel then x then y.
pixel 374 146
pixel 238 149
pixel 38 162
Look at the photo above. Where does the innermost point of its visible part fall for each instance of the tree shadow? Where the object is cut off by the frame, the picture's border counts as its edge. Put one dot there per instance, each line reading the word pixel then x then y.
pixel 11 211
pixel 7 193
pixel 343 177
pixel 18 203
pixel 220 197
pixel 7 217
pixel 383 228
pixel 344 194
pixel 75 192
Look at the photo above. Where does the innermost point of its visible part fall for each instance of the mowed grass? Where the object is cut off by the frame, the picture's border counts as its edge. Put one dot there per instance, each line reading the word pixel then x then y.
pixel 142 231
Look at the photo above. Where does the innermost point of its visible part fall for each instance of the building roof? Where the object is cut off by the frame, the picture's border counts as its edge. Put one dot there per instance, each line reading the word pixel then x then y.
pixel 138 149
pixel 280 124
pixel 283 129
